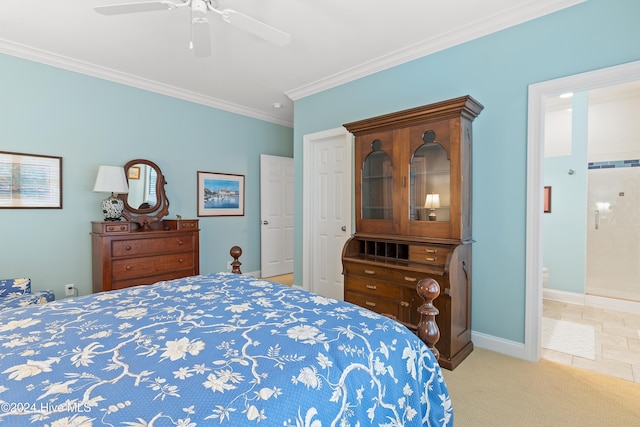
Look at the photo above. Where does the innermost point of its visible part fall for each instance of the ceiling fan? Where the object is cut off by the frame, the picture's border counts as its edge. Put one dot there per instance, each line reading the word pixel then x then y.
pixel 200 34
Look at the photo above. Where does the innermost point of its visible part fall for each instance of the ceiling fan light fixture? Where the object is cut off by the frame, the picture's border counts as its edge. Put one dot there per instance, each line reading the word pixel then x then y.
pixel 199 8
pixel 199 22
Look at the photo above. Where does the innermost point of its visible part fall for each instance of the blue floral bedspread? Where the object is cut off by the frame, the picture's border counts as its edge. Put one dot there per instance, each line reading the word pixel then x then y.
pixel 221 349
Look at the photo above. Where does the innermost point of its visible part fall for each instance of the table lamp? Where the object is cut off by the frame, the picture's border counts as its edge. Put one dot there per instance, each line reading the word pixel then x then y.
pixel 111 179
pixel 432 203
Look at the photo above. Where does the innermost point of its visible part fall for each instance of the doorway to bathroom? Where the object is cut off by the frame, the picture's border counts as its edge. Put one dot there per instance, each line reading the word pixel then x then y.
pixel 574 291
pixel 592 171
pixel 587 237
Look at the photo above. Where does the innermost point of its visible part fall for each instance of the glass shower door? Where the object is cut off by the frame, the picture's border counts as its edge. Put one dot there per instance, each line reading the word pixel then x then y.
pixel 613 231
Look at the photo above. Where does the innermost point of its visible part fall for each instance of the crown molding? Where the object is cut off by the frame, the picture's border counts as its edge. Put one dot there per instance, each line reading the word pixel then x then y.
pixel 506 19
pixel 70 64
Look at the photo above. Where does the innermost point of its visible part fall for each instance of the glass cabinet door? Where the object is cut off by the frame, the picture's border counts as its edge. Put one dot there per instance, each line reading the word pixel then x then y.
pixel 377 185
pixel 430 190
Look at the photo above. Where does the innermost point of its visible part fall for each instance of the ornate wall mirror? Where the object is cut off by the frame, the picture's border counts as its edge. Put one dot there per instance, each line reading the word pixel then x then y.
pixel 146 201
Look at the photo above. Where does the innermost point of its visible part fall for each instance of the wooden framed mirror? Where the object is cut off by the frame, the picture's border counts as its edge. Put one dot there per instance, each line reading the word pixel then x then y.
pixel 146 201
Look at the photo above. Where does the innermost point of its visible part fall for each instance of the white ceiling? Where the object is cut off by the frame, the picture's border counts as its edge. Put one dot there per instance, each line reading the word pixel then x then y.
pixel 333 42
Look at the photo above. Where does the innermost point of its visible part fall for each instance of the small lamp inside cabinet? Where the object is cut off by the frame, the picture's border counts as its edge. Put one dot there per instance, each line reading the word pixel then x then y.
pixel 432 203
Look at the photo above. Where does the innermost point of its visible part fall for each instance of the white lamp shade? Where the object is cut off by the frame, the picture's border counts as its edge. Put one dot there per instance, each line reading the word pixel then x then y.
pixel 432 202
pixel 111 179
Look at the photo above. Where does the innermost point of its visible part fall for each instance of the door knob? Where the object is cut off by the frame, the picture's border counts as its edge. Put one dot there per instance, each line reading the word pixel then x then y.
pixel 344 228
pixel 265 222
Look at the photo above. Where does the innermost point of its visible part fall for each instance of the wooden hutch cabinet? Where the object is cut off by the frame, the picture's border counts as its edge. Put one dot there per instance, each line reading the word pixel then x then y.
pixel 413 217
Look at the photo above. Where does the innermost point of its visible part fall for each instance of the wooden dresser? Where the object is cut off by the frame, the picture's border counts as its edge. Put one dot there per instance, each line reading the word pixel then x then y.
pixel 413 218
pixel 124 255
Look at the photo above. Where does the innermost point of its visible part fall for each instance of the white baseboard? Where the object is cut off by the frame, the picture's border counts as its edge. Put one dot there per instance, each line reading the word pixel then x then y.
pixel 255 274
pixel 499 345
pixel 563 296
pixel 591 300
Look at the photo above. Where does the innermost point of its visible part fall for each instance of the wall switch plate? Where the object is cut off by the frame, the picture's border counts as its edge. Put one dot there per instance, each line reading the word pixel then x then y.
pixel 70 289
pixel 228 265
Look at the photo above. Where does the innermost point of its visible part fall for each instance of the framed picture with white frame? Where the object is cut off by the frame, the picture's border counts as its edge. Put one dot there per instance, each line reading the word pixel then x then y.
pixel 220 194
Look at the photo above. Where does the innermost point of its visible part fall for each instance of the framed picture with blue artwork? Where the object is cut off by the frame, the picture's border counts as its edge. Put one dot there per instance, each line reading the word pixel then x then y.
pixel 30 181
pixel 220 194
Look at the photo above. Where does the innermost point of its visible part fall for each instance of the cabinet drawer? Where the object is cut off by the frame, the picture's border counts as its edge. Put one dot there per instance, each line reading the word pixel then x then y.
pixel 136 247
pixel 379 305
pixel 429 254
pixel 376 272
pixel 148 280
pixel 181 224
pixel 365 285
pixel 111 227
pixel 147 266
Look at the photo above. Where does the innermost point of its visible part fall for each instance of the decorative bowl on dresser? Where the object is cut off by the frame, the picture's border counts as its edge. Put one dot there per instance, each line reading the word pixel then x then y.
pixel 413 218
pixel 146 248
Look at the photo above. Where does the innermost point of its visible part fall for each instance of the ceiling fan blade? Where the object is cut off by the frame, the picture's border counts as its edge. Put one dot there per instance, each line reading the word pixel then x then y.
pixel 145 6
pixel 200 37
pixel 258 28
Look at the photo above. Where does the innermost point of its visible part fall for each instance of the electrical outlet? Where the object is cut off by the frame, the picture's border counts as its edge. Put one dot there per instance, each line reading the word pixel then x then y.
pixel 228 265
pixel 70 289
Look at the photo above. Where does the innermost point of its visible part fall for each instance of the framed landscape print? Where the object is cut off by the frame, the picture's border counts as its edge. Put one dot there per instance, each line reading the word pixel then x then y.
pixel 220 194
pixel 30 181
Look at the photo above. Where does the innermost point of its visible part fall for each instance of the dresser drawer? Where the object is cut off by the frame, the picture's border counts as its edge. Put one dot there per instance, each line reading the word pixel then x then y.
pixel 181 224
pixel 123 269
pixel 379 305
pixel 429 254
pixel 368 286
pixel 148 280
pixel 137 247
pixel 111 227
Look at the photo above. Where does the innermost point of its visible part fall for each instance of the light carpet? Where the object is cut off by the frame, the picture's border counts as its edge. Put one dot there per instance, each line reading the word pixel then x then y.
pixel 493 390
pixel 568 337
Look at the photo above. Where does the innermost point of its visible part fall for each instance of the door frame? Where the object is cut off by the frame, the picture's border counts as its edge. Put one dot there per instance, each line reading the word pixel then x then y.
pixel 307 198
pixel 535 158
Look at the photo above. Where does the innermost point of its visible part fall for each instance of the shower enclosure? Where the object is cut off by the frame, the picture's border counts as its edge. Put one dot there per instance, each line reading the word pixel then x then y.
pixel 613 229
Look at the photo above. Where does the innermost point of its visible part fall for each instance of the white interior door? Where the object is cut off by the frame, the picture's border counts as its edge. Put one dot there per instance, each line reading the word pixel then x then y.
pixel 327 209
pixel 276 211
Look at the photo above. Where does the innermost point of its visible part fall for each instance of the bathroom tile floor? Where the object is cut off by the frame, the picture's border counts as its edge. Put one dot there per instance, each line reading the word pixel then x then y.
pixel 617 338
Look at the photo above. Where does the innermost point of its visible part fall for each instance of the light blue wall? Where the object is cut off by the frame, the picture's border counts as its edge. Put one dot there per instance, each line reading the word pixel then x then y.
pixel 92 122
pixel 564 228
pixel 496 70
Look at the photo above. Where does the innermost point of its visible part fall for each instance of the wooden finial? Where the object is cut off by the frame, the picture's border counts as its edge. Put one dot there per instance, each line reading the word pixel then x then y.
pixel 428 330
pixel 235 253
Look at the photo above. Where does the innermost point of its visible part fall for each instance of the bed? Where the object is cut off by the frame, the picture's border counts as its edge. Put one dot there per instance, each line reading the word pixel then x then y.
pixel 220 349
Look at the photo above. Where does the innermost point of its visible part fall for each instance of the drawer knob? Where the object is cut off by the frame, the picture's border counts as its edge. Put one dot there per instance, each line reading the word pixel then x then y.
pixel 370 272
pixel 404 304
pixel 180 242
pixel 429 258
pixel 370 304
pixel 181 260
pixel 430 251
pixel 373 287
pixel 128 247
pixel 410 279
pixel 128 267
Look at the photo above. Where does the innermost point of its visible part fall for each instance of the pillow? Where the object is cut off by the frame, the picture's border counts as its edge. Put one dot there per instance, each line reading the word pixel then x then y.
pixel 15 287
